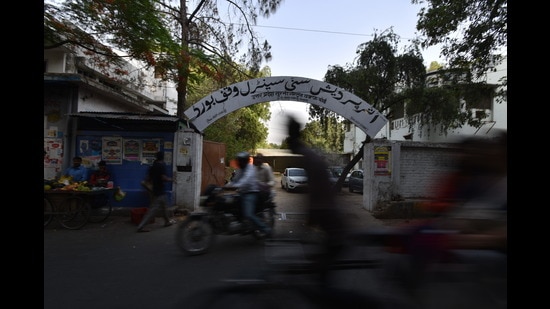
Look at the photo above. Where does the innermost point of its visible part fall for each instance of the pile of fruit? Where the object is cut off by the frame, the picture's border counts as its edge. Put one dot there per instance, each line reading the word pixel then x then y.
pixel 65 183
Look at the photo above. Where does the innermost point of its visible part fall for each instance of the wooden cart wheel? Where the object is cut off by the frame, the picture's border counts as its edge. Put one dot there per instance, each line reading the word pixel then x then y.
pixel 100 209
pixel 74 213
pixel 48 212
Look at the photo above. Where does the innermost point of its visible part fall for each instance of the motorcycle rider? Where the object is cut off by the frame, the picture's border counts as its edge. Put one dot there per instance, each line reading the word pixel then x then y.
pixel 246 182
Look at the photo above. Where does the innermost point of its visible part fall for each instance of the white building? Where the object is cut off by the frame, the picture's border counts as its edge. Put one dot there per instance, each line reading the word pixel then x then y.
pixel 100 88
pixel 400 130
pixel 75 82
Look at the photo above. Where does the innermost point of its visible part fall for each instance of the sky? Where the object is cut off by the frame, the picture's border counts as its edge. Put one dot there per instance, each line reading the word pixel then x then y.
pixel 307 36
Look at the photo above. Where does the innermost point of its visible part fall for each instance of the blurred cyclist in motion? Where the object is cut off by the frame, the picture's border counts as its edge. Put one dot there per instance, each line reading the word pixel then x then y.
pixel 323 210
pixel 470 228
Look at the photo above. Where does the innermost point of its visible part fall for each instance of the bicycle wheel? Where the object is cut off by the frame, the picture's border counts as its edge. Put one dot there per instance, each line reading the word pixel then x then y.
pixel 74 213
pixel 48 212
pixel 100 209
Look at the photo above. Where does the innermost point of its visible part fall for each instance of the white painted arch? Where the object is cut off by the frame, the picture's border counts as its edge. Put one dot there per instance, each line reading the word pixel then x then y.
pixel 285 88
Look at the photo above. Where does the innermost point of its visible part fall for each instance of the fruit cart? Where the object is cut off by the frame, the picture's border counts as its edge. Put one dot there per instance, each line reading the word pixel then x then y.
pixel 74 208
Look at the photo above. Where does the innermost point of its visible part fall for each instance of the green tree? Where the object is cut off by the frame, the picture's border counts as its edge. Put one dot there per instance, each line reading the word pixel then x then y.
pixel 184 44
pixel 471 33
pixel 434 66
pixel 243 129
pixel 395 84
pixel 325 133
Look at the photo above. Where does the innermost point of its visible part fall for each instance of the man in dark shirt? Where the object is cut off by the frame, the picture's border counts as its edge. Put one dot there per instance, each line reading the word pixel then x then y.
pixel 159 200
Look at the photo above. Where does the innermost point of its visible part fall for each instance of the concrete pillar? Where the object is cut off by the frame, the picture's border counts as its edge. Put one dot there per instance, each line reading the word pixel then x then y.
pixel 188 169
pixel 370 189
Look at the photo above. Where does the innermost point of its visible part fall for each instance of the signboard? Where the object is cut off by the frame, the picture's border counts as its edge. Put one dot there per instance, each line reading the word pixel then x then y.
pixel 382 160
pixel 286 88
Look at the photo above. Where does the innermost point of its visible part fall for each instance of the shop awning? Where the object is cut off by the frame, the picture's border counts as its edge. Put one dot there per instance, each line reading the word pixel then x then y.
pixel 103 121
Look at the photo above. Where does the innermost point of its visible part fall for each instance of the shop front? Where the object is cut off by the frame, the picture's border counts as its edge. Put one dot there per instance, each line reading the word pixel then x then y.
pixel 127 143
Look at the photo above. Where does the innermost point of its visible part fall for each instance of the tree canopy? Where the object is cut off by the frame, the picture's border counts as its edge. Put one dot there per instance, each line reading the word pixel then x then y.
pixel 472 33
pixel 241 130
pixel 198 47
pixel 183 40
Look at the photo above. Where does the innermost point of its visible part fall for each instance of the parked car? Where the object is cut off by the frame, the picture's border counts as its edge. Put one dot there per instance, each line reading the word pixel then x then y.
pixel 356 181
pixel 336 170
pixel 334 173
pixel 332 176
pixel 346 180
pixel 294 179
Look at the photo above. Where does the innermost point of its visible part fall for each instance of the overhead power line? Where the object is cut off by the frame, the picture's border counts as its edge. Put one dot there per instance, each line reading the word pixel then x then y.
pixel 318 31
pixel 310 30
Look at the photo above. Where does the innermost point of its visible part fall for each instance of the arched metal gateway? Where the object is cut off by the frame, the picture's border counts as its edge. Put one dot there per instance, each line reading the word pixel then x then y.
pixel 286 88
pixel 260 90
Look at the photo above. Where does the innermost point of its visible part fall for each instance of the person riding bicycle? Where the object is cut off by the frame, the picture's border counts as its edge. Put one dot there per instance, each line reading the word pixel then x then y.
pixel 246 182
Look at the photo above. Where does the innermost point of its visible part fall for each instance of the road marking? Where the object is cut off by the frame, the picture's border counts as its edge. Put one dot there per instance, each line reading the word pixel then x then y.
pixel 291 215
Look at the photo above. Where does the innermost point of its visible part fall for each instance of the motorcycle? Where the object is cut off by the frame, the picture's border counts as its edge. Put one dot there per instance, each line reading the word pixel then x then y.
pixel 221 215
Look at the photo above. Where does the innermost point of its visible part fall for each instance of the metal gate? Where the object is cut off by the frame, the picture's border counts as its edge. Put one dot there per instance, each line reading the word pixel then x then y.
pixel 213 164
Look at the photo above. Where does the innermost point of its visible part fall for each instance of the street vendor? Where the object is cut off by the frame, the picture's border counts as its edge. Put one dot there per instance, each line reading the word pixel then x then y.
pixel 77 172
pixel 100 177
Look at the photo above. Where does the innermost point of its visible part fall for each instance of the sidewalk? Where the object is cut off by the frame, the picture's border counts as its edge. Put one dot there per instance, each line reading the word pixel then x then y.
pixel 291 207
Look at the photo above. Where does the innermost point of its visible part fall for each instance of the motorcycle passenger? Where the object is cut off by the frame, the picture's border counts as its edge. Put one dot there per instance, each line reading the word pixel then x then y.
pixel 266 179
pixel 246 182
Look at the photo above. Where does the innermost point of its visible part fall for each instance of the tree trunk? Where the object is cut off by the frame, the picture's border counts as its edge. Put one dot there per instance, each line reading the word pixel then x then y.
pixel 183 62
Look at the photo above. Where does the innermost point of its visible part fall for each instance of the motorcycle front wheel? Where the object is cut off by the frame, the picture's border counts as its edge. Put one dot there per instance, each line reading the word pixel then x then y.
pixel 194 236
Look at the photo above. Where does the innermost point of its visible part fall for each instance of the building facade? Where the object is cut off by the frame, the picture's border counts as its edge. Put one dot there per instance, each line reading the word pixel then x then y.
pixel 75 83
pixel 494 118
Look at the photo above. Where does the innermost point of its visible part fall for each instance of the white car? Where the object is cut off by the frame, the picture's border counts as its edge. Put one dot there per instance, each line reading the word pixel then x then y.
pixel 294 179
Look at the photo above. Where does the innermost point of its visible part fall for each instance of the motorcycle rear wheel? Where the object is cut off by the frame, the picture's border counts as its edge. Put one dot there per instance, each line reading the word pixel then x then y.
pixel 268 217
pixel 194 236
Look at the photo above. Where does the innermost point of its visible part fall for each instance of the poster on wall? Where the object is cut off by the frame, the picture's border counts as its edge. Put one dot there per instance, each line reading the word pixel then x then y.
pixel 149 147
pixel 168 158
pixel 89 146
pixel 111 150
pixel 131 149
pixel 90 151
pixel 382 160
pixel 53 157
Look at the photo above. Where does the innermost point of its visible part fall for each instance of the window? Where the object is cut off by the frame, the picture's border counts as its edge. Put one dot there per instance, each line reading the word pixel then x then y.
pixel 479 96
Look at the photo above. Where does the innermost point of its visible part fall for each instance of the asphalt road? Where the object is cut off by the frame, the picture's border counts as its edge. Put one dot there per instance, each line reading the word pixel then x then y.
pixel 109 265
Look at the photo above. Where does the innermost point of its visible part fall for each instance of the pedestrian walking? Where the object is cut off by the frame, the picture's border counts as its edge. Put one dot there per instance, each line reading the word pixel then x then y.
pixel 159 200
